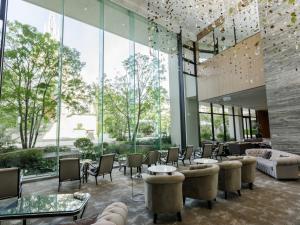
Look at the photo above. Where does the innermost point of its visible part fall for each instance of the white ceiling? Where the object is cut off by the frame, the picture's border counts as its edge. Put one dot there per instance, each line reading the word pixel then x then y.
pixel 254 98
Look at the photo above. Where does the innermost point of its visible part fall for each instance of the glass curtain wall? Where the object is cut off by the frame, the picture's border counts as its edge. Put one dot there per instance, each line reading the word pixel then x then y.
pixel 226 123
pixel 82 79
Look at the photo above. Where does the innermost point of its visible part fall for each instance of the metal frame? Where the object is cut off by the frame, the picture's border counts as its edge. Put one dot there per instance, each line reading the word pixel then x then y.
pixel 3 17
pixel 223 114
pixel 181 91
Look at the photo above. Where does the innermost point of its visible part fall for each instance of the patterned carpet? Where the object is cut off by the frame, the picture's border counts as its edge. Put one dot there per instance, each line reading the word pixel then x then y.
pixel 271 202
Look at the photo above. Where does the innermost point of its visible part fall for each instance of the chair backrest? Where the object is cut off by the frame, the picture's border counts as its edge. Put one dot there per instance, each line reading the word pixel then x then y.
pixel 10 182
pixel 134 160
pixel 69 169
pixel 207 151
pixel 173 154
pixel 151 157
pixel 220 149
pixel 189 152
pixel 106 163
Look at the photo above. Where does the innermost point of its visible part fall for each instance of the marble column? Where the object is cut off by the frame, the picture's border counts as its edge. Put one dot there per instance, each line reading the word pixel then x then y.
pixel 279 21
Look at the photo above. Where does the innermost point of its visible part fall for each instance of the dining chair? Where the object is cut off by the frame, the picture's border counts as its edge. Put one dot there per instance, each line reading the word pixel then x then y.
pixel 11 183
pixel 69 170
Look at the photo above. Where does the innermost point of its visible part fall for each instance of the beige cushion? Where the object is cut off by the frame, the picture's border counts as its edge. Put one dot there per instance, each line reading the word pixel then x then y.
pixel 104 222
pixel 115 213
pixel 230 176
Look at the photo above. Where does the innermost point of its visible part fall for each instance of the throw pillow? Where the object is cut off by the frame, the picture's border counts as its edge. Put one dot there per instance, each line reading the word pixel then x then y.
pixel 267 155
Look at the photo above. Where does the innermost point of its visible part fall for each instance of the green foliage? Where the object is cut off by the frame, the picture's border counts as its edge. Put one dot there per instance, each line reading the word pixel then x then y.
pixel 49 149
pixel 29 93
pixel 28 159
pixel 86 146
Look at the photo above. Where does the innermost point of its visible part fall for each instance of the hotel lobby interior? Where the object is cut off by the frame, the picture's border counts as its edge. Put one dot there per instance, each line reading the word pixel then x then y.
pixel 140 112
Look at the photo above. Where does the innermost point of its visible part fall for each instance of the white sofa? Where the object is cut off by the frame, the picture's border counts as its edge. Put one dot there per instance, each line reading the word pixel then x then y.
pixel 281 165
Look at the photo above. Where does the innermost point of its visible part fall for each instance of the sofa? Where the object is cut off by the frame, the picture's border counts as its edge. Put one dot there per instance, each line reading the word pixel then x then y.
pixel 114 214
pixel 281 165
pixel 201 182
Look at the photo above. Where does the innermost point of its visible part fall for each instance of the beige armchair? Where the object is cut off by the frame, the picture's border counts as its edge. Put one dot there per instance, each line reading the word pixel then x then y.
pixel 230 177
pixel 172 157
pixel 188 153
pixel 69 170
pixel 163 194
pixel 105 167
pixel 248 170
pixel 201 182
pixel 11 184
pixel 134 160
pixel 151 158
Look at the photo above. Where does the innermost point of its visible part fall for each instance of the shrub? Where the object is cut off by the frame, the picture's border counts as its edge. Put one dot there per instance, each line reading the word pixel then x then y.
pixel 27 159
pixel 86 146
pixel 49 149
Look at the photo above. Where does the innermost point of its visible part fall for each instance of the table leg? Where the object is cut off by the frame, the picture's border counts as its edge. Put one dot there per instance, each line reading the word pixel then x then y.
pixel 75 217
pixel 24 221
pixel 83 210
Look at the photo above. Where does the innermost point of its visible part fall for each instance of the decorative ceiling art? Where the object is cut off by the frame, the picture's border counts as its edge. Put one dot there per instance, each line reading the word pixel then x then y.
pixel 198 17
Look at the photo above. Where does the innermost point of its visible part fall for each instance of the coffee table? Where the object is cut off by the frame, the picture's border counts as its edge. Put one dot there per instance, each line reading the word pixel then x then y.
pixel 38 206
pixel 205 161
pixel 162 169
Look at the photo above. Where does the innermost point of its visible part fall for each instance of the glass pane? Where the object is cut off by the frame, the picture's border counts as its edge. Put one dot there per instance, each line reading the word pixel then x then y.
pixel 217 108
pixel 80 86
pixel 205 127
pixel 219 127
pixel 28 137
pixel 253 112
pixel 188 68
pixel 245 112
pixel 254 126
pixel 204 107
pixel 229 122
pixel 228 110
pixel 205 56
pixel 188 54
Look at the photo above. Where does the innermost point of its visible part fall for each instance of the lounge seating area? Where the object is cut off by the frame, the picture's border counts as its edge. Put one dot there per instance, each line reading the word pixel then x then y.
pixel 195 209
pixel 143 112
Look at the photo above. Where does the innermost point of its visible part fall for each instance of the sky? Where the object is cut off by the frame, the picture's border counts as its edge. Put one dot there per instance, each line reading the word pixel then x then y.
pixel 81 36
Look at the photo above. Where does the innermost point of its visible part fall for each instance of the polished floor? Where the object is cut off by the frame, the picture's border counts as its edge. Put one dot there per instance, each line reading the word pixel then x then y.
pixel 271 202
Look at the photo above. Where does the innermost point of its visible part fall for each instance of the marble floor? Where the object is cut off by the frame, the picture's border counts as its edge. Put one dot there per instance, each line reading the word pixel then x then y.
pixel 271 202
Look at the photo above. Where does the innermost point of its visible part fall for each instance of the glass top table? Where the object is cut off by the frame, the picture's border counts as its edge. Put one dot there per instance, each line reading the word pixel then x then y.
pixel 162 169
pixel 37 206
pixel 205 161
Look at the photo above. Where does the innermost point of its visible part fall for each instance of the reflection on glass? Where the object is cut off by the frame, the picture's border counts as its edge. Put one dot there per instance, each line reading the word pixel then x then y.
pixel 218 127
pixel 205 127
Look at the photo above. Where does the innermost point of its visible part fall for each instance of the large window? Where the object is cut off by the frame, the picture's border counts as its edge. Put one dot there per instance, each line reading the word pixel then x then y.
pixel 82 80
pixel 226 123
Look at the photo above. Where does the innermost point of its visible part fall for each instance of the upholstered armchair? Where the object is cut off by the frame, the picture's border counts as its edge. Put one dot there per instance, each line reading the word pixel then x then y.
pixel 172 156
pixel 151 158
pixel 163 194
pixel 105 167
pixel 219 151
pixel 201 182
pixel 134 160
pixel 187 154
pixel 230 177
pixel 248 170
pixel 11 183
pixel 69 170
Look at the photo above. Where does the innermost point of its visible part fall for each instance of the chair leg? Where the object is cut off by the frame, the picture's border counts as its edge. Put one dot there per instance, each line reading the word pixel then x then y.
pixel 239 192
pixel 225 194
pixel 110 177
pixel 183 199
pixel 209 204
pixel 124 170
pixel 183 162
pixel 251 186
pixel 190 161
pixel 96 180
pixel 130 171
pixel 58 186
pixel 179 216
pixel 177 163
pixel 154 217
